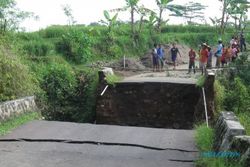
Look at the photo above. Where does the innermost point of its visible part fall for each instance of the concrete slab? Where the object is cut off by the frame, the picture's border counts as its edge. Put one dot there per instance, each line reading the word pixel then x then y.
pixel 179 146
pixel 159 80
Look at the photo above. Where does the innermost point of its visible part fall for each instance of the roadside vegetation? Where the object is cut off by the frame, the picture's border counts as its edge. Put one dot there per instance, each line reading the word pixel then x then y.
pixel 204 139
pixel 232 94
pixel 14 122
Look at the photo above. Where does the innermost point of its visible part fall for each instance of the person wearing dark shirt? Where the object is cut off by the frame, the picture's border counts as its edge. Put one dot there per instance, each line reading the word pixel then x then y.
pixel 192 56
pixel 174 50
pixel 155 59
pixel 242 42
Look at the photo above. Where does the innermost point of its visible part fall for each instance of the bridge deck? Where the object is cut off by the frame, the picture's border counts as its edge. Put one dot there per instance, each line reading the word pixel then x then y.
pixel 69 144
pixel 159 80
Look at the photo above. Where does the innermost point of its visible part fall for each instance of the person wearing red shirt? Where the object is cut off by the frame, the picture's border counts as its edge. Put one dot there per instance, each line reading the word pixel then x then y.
pixel 203 57
pixel 192 56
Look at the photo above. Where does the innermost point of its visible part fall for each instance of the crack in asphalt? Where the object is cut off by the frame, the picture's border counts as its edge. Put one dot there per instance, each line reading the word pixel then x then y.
pixel 96 143
pixel 178 160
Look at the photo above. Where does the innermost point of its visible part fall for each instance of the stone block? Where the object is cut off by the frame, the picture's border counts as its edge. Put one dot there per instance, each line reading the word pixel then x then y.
pixel 226 128
pixel 233 128
pixel 241 144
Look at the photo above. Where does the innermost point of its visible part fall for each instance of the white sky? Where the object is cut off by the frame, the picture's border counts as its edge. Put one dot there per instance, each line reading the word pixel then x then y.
pixel 86 11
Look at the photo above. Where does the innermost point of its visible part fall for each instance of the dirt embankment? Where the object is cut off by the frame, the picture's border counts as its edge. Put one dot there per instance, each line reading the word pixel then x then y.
pixel 139 65
pixel 146 60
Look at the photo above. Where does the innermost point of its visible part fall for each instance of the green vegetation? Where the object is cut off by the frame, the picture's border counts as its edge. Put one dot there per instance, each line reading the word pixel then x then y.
pixel 201 81
pixel 16 79
pixel 219 96
pixel 14 122
pixel 113 79
pixel 233 91
pixel 204 138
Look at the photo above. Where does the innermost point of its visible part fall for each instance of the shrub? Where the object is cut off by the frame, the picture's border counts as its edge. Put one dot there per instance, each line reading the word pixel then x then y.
pixel 219 96
pixel 85 97
pixel 237 97
pixel 59 83
pixel 16 80
pixel 75 45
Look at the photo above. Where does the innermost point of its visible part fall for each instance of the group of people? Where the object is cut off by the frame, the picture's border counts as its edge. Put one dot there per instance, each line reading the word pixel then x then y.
pixel 223 54
pixel 158 56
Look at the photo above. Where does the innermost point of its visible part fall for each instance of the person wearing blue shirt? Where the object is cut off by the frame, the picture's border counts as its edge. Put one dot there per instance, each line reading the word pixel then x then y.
pixel 160 53
pixel 218 53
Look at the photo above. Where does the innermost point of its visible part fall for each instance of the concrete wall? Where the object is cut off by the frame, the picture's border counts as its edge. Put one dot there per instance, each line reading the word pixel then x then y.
pixel 230 136
pixel 15 107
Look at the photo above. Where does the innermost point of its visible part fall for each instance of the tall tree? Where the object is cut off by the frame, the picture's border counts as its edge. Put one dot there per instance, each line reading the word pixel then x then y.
pixel 238 11
pixel 68 12
pixel 132 7
pixel 162 6
pixel 190 11
pixel 109 21
pixel 11 16
pixel 231 8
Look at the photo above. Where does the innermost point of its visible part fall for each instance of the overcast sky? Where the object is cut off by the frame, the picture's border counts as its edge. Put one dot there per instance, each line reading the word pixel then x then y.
pixel 86 11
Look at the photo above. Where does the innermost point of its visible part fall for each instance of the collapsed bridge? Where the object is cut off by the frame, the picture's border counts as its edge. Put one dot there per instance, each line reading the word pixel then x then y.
pixel 160 102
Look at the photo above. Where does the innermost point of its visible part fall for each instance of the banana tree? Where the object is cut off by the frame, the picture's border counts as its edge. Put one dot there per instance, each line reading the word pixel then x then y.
pixel 110 21
pixel 165 5
pixel 144 12
pixel 132 7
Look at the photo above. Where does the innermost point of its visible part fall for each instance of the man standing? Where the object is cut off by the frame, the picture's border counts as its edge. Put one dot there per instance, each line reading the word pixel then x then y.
pixel 192 56
pixel 210 57
pixel 218 53
pixel 155 59
pixel 174 50
pixel 242 42
pixel 160 53
pixel 203 57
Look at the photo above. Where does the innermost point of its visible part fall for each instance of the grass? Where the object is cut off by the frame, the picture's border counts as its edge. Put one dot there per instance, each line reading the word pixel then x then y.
pixel 204 138
pixel 14 122
pixel 113 79
pixel 244 119
pixel 201 81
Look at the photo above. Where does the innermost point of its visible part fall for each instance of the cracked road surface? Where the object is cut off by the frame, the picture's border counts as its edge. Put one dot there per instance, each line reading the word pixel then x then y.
pixel 62 144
